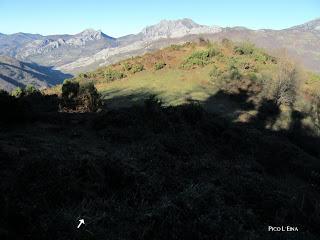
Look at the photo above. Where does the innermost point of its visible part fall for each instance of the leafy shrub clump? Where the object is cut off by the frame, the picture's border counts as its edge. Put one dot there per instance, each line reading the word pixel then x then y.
pixel 87 75
pixel 27 91
pixel 138 67
pixel 30 90
pixel 112 75
pixel 201 58
pixel 18 92
pixel 89 98
pixel 314 111
pixel 258 54
pixel 83 98
pixel 234 72
pixel 70 89
pixel 159 65
pixel 133 68
pixel 244 49
pixel 127 66
pixel 283 86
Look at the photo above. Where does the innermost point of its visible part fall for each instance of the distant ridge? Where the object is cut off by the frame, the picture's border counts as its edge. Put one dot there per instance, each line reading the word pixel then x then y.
pixel 91 48
pixel 14 73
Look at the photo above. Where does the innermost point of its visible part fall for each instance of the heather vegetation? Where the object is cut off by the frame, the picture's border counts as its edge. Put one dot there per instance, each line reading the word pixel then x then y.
pixel 111 75
pixel 159 65
pixel 78 97
pixel 201 58
pixel 218 144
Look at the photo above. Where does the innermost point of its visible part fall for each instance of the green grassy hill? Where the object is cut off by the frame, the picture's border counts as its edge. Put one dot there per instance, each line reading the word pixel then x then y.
pixel 198 71
pixel 180 73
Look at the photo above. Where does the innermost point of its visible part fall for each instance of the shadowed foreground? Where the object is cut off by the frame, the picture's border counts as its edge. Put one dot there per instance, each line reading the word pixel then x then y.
pixel 153 172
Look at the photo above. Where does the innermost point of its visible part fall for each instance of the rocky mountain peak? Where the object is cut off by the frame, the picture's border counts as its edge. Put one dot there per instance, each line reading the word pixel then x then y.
pixel 91 34
pixel 185 22
pixel 176 28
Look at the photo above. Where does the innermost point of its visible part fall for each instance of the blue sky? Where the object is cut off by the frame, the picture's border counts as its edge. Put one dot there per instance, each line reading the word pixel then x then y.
pixel 118 18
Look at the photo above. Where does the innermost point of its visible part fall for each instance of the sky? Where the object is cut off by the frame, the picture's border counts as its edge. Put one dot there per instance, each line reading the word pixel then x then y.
pixel 121 17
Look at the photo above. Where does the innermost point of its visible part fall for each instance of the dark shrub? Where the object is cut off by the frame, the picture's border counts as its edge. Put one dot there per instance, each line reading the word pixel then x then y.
pixel 80 97
pixel 13 109
pixel 31 90
pixel 70 89
pixel 89 98
pixel 159 65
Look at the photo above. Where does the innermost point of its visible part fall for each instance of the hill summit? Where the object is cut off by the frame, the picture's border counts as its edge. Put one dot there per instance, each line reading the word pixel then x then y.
pixel 176 29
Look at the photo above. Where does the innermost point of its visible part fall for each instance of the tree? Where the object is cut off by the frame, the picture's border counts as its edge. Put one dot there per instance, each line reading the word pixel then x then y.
pixel 285 84
pixel 70 89
pixel 18 92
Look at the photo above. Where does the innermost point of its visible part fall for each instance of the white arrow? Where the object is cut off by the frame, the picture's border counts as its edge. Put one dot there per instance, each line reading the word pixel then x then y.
pixel 81 222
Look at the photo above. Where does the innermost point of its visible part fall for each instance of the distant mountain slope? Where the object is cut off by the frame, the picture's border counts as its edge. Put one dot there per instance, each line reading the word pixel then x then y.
pixel 14 73
pixel 312 26
pixel 9 44
pixel 58 50
pixel 90 49
pixel 302 42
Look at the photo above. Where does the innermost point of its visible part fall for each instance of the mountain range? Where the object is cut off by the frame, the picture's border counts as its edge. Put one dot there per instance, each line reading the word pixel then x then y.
pixel 90 49
pixel 15 73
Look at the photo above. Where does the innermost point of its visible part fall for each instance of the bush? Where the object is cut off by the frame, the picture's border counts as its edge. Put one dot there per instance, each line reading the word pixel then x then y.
pixel 138 67
pixel 234 72
pixel 27 91
pixel 127 66
pixel 87 75
pixel 18 92
pixel 245 49
pixel 159 65
pixel 31 90
pixel 83 98
pixel 70 89
pixel 201 58
pixel 112 75
pixel 314 111
pixel 89 98
pixel 283 86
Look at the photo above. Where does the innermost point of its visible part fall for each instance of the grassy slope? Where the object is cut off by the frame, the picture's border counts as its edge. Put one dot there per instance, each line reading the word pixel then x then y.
pixel 173 84
pixel 149 172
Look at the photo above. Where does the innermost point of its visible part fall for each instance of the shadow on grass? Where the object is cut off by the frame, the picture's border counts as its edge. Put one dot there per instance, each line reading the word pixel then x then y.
pixel 152 172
